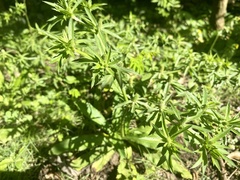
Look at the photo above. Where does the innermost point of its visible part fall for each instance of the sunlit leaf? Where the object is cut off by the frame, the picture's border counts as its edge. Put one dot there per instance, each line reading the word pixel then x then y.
pixel 102 161
pixel 181 169
pixel 175 110
pixel 220 135
pixel 71 79
pixel 74 93
pixel 216 163
pixel 192 98
pixel 199 161
pixel 184 129
pixel 7 134
pixel 5 163
pixel 150 141
pixel 106 81
pixel 91 17
pixel 227 113
pixel 1 79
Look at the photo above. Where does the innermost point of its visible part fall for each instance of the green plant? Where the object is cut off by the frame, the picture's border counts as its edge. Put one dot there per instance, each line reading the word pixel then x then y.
pixel 165 7
pixel 99 93
pixel 133 102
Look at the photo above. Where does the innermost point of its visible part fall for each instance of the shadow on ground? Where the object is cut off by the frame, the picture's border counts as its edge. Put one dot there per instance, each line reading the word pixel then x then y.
pixel 30 174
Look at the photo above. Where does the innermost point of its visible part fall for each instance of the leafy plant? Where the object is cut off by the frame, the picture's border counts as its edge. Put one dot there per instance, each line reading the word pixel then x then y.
pixel 166 6
pixel 96 93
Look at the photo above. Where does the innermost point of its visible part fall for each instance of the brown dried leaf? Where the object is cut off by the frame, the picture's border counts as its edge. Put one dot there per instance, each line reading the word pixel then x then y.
pixel 234 155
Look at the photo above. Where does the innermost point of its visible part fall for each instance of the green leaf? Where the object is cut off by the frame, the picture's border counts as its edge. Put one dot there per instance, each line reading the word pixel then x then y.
pixel 42 99
pixel 116 87
pixel 106 81
pixel 220 135
pixel 1 80
pixel 163 157
pixel 227 113
pixel 152 157
pixel 71 79
pixel 101 42
pixel 175 111
pixel 7 134
pixel 70 29
pixel 19 163
pixel 102 161
pixel 128 153
pixel 164 127
pixel 111 33
pixel 95 115
pixel 229 161
pixel 204 156
pixel 123 172
pixel 91 112
pixel 165 91
pixel 216 163
pixel 200 129
pixel 86 158
pixel 199 161
pixel 17 83
pixel 80 143
pixel 150 141
pixel 178 86
pixel 192 98
pixel 91 17
pixel 74 93
pixel 5 163
pixel 160 133
pixel 181 147
pixel 181 130
pixel 204 100
pixel 141 131
pixel 51 35
pixel 181 169
pixel 195 117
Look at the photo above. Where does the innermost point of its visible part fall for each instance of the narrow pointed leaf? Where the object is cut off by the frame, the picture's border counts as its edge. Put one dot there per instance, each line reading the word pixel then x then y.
pixel 151 141
pixel 102 161
pixel 181 169
pixel 220 135
pixel 180 131
pixel 199 161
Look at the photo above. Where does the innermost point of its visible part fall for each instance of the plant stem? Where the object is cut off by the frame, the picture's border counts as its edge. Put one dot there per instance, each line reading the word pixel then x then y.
pixel 26 16
pixel 214 42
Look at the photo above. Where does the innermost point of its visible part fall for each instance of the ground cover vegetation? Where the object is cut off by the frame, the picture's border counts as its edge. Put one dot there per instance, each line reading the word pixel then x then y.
pixel 118 90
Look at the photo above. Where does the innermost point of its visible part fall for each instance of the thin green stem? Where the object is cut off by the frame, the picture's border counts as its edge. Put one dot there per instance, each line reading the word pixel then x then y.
pixel 26 16
pixel 214 42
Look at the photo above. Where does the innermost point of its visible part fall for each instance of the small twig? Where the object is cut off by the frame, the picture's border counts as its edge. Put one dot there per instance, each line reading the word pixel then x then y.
pixel 195 175
pixel 232 174
pixel 223 172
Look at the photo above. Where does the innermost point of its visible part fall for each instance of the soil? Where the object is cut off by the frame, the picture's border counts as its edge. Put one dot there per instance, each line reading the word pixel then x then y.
pixel 62 171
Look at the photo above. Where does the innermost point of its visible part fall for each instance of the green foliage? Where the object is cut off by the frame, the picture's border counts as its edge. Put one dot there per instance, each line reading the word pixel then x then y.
pixel 165 7
pixel 88 88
